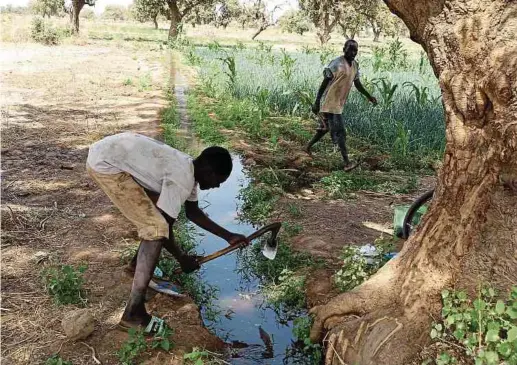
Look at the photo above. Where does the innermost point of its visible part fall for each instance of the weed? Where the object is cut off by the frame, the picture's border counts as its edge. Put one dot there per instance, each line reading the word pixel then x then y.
pixel 214 46
pixel 292 229
pixel 56 360
pixel 128 82
pixel 288 295
pixel 145 82
pixel 132 347
pixel 196 356
pixel 386 89
pixel 257 202
pixel 161 340
pixel 301 331
pixel 287 63
pixel 485 328
pixel 231 72
pixel 357 268
pixel 65 283
pixel 294 210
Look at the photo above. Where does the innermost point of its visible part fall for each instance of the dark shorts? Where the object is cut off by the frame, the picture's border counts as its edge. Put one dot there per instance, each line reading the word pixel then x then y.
pixel 333 123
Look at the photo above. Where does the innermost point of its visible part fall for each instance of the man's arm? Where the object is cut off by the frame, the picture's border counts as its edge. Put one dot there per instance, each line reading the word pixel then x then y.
pixel 326 81
pixel 363 91
pixel 198 217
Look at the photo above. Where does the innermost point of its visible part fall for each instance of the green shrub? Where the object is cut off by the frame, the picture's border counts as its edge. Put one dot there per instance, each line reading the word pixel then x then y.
pixel 301 331
pixel 57 360
pixel 44 32
pixel 288 294
pixel 485 328
pixel 65 284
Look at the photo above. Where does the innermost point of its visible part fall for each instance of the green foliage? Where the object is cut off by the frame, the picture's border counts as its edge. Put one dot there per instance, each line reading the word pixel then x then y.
pixel 485 328
pixel 47 7
pixel 301 331
pixel 44 32
pixel 288 294
pixel 294 210
pixel 386 89
pixel 56 360
pixel 356 268
pixel 115 13
pixel 231 71
pixel 132 348
pixel 294 21
pixel 257 202
pixel 65 283
pixel 128 81
pixel 145 82
pixel 161 340
pixel 287 63
pixel 196 356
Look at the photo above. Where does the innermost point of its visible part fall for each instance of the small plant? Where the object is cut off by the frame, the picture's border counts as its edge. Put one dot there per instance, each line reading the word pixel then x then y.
pixel 231 72
pixel 128 82
pixel 214 46
pixel 386 89
pixel 357 268
pixel 288 294
pixel 161 340
pixel 65 284
pixel 145 82
pixel 257 202
pixel 294 210
pixel 301 331
pixel 292 229
pixel 421 94
pixel 43 32
pixel 485 328
pixel 132 347
pixel 325 55
pixel 287 63
pixel 56 360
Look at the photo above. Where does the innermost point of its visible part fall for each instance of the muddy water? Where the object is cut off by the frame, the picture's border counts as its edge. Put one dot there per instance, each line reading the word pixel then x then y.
pixel 244 317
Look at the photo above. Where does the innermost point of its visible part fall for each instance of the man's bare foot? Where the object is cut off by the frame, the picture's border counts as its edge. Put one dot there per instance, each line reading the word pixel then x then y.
pixel 350 166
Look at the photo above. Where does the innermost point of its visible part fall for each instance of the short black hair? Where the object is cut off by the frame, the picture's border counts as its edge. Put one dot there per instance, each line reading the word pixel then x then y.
pixel 218 158
pixel 350 41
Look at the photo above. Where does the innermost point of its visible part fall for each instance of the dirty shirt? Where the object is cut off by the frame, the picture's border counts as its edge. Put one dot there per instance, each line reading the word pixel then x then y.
pixel 343 76
pixel 153 164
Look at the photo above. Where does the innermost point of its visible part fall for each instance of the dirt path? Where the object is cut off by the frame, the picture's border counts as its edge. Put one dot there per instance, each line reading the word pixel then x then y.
pixel 56 102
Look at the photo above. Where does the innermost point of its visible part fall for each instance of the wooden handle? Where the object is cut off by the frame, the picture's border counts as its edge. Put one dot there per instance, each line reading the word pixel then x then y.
pixel 274 228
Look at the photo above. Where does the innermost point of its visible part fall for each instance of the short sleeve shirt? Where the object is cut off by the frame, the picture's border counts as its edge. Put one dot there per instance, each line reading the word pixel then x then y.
pixel 343 76
pixel 153 164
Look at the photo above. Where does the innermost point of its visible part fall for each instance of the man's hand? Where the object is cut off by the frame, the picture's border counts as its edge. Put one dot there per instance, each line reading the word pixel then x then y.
pixel 188 263
pixel 372 100
pixel 235 239
pixel 316 108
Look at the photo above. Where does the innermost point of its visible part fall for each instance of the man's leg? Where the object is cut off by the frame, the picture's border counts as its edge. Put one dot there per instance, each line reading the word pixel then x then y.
pixel 320 132
pixel 337 130
pixel 135 312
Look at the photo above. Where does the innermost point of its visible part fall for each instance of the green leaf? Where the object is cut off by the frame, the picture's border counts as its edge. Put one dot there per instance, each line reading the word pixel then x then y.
pixel 459 334
pixel 511 335
pixel 479 304
pixel 491 357
pixel 462 295
pixel 504 349
pixel 434 333
pixel 499 307
pixel 165 344
pixel 512 312
pixel 491 292
pixel 199 362
pixel 445 293
pixel 492 336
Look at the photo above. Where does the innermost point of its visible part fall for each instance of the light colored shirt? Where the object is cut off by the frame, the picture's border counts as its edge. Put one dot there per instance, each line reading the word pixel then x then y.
pixel 153 164
pixel 343 76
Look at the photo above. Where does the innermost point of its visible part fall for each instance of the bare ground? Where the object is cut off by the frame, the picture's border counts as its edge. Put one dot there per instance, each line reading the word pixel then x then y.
pixel 56 101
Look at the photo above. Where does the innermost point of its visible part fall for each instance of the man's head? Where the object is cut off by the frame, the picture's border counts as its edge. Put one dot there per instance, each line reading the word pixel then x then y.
pixel 212 167
pixel 350 49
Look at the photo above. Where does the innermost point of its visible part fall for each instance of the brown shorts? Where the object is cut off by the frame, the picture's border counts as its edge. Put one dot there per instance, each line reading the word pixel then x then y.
pixel 132 201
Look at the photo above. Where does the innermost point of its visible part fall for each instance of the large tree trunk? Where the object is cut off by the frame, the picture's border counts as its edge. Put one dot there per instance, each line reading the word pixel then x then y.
pixel 77 6
pixel 469 235
pixel 176 17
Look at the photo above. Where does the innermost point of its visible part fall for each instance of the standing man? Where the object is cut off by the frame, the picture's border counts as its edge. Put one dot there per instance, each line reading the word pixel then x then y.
pixel 332 95
pixel 124 166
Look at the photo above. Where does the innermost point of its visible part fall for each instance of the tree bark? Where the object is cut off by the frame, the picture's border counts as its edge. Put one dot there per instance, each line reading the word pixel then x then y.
pixel 260 30
pixel 77 6
pixel 469 235
pixel 155 21
pixel 176 17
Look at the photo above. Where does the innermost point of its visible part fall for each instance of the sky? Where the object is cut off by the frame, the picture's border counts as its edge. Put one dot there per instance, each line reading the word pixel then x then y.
pixel 101 4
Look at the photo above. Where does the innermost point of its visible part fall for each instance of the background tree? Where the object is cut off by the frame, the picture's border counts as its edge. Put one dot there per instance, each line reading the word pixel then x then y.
pixel 228 11
pixel 469 235
pixel 149 10
pixel 10 9
pixel 201 14
pixel 351 21
pixel 87 14
pixel 74 9
pixel 377 16
pixel 115 12
pixel 294 21
pixel 260 16
pixel 324 14
pixel 47 7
